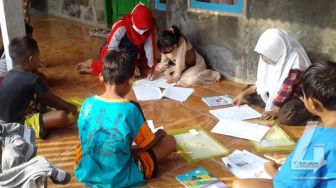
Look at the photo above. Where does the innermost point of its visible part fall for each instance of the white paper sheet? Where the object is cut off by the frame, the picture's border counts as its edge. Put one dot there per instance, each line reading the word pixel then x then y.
pixel 241 129
pixel 145 93
pixel 160 82
pixel 236 112
pixel 245 165
pixel 178 93
pixel 150 124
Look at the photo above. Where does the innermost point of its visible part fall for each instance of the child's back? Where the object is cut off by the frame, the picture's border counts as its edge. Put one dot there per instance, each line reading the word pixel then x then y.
pixel 107 126
pixel 17 91
pixel 107 129
pixel 315 147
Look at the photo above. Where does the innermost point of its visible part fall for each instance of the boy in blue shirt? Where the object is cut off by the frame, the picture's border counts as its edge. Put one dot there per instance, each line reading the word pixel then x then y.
pixel 312 163
pixel 107 126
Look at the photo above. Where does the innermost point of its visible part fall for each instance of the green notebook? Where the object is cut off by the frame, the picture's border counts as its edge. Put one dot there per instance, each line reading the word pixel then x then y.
pixel 275 139
pixel 195 144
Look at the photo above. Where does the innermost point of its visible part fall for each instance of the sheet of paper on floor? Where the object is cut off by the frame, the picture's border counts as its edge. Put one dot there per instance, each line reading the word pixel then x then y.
pixel 151 125
pixel 241 129
pixel 160 82
pixel 245 165
pixel 145 93
pixel 236 113
pixel 178 93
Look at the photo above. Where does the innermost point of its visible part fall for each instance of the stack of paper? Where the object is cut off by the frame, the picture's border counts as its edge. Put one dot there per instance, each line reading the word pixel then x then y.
pixel 241 129
pixel 245 165
pixel 160 82
pixel 144 93
pixel 236 113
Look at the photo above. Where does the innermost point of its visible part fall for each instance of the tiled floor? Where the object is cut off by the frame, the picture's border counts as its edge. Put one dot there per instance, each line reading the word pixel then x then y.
pixel 64 43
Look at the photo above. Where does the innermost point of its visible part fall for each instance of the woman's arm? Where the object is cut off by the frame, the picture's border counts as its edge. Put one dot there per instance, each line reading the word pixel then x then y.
pixel 239 99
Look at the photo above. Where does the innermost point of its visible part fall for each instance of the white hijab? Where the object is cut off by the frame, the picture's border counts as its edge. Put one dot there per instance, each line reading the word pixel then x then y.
pixel 286 53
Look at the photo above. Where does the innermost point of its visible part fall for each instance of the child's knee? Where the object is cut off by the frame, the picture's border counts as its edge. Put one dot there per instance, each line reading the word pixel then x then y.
pixel 240 184
pixel 236 184
pixel 171 142
pixel 61 116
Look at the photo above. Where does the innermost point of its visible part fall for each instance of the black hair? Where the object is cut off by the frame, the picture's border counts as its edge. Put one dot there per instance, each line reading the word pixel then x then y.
pixel 20 48
pixel 29 29
pixel 169 37
pixel 319 82
pixel 118 68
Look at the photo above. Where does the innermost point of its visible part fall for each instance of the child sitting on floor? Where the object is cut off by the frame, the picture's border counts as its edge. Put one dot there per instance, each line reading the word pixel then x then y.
pixel 21 87
pixel 107 126
pixel 180 62
pixel 312 163
pixel 281 63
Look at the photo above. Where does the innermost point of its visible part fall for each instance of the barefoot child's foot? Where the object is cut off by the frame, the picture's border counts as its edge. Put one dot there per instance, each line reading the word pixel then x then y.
pixel 83 67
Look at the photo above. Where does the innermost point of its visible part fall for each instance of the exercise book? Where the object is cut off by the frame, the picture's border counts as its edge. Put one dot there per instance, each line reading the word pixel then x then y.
pixel 199 178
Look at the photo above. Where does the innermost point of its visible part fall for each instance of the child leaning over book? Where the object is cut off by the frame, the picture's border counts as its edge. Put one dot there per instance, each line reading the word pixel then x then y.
pixel 312 163
pixel 107 126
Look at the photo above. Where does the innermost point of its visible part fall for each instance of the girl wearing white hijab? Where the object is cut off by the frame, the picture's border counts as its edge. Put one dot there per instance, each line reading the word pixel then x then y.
pixel 282 60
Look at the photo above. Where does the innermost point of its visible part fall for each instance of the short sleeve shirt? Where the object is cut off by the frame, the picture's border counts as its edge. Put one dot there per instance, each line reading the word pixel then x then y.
pixel 18 89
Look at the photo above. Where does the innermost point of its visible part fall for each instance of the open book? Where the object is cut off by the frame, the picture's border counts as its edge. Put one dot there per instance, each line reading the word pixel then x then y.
pixel 144 93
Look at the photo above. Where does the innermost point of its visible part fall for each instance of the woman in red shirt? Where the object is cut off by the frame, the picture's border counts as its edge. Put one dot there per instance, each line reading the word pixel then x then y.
pixel 134 32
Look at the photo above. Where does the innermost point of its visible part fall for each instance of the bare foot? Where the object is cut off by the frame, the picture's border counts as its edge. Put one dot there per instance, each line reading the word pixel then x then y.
pixel 85 71
pixel 84 66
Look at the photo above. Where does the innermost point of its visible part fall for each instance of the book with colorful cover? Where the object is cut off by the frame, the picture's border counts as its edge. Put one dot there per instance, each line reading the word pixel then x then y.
pixel 224 100
pixel 199 178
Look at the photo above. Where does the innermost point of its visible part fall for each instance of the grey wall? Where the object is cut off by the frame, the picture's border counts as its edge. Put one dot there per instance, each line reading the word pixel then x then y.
pixel 227 42
pixel 84 11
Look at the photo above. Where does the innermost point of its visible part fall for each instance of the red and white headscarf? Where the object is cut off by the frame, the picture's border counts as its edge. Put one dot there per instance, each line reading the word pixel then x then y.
pixel 142 18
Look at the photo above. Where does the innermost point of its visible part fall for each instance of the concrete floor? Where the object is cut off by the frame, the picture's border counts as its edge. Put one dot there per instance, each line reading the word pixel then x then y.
pixel 64 43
